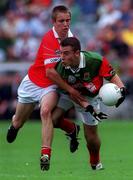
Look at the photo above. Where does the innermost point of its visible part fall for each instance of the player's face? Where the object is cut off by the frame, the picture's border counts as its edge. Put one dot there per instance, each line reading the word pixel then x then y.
pixel 69 56
pixel 62 24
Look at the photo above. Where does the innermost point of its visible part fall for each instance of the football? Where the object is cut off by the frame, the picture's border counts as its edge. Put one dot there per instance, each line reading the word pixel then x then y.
pixel 109 94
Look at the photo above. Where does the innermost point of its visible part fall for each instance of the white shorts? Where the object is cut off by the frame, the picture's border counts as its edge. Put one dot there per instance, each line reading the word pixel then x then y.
pixel 66 103
pixel 28 92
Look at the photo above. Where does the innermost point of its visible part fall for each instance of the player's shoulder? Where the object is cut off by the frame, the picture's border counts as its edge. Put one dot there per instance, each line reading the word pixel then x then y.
pixel 92 55
pixel 48 35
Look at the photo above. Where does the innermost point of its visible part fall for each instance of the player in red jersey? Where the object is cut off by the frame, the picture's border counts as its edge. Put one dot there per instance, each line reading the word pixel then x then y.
pixel 36 87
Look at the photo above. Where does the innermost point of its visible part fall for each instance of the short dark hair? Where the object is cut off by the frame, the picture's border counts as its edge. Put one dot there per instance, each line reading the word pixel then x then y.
pixel 73 42
pixel 58 9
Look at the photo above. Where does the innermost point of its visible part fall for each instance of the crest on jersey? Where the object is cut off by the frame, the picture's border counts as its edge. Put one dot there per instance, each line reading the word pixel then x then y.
pixel 71 79
pixel 86 75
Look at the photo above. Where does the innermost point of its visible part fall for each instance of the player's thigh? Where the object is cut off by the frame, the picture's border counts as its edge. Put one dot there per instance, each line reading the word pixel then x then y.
pixel 65 102
pixel 24 110
pixel 49 100
pixel 86 117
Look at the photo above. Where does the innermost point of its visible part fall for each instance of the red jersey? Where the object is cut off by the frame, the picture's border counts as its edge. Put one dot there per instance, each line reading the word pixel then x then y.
pixel 47 56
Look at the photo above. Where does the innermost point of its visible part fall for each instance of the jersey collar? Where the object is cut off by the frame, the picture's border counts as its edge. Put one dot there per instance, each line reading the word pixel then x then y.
pixel 81 64
pixel 56 35
pixel 82 61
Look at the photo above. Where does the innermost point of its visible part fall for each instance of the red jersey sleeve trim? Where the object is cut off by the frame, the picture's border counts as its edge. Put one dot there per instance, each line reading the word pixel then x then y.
pixel 106 69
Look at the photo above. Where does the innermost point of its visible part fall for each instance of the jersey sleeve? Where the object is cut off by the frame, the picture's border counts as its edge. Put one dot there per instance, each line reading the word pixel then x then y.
pixel 106 69
pixel 51 62
pixel 50 57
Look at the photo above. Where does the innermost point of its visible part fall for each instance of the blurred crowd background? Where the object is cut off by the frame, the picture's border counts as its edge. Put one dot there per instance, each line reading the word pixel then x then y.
pixel 105 26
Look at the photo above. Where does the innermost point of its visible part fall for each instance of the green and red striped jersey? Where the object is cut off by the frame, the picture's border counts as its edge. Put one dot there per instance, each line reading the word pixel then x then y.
pixel 89 76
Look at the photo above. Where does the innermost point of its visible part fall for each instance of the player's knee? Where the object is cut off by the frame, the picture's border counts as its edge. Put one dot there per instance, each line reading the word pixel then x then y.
pixel 56 121
pixel 45 112
pixel 91 138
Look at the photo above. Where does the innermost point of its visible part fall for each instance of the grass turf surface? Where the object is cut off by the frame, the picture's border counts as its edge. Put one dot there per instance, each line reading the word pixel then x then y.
pixel 20 160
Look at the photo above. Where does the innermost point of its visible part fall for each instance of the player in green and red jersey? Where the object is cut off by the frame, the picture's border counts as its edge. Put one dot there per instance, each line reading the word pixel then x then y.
pixel 36 87
pixel 85 71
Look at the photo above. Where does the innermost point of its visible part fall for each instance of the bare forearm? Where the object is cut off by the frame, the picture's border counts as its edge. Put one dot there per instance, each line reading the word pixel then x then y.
pixel 53 75
pixel 74 94
pixel 116 80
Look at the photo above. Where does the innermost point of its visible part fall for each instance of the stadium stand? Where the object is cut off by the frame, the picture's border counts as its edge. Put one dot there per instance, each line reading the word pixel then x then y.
pixel 101 25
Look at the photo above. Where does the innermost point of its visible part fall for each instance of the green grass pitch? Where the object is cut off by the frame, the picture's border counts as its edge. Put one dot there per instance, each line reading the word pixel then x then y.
pixel 20 160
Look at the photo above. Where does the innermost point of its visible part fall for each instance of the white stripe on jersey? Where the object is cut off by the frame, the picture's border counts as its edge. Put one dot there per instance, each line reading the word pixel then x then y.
pixel 51 60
